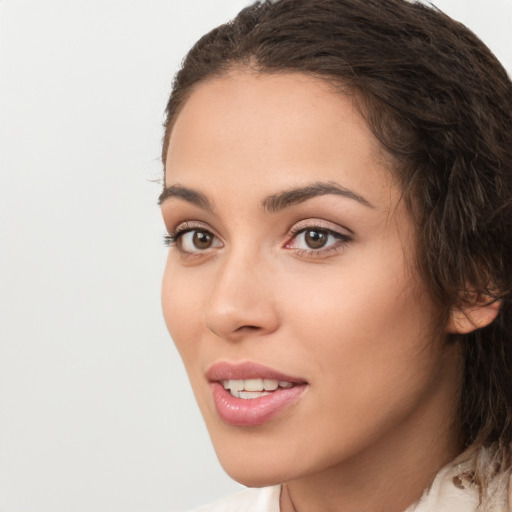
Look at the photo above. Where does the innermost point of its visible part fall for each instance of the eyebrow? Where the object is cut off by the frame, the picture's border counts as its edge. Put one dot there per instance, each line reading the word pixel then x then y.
pixel 187 194
pixel 287 198
pixel 272 203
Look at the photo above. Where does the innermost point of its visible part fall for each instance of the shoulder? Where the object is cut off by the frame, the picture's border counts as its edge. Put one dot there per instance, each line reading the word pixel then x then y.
pixel 265 499
pixel 455 488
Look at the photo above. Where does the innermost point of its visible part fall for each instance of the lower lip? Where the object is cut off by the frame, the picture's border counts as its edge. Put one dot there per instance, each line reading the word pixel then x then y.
pixel 255 411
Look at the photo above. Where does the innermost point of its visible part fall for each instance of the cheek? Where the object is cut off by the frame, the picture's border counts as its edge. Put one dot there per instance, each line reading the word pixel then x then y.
pixel 367 327
pixel 366 337
pixel 181 306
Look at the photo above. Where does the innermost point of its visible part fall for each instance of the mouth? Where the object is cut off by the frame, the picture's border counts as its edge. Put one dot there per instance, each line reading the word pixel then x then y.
pixel 250 394
pixel 248 389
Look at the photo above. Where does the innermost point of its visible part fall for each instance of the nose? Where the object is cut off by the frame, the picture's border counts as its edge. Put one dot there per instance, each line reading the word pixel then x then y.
pixel 242 299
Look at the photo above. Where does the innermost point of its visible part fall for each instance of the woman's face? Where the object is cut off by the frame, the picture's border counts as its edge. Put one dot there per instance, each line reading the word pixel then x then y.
pixel 291 269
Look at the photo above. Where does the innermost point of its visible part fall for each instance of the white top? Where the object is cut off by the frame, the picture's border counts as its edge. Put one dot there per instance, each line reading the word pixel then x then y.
pixel 265 499
pixel 453 490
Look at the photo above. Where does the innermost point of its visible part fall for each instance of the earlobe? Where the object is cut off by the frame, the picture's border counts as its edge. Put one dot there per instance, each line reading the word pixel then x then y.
pixel 466 319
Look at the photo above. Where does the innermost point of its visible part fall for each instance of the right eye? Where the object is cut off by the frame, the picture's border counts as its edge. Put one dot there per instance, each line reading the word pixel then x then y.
pixel 192 240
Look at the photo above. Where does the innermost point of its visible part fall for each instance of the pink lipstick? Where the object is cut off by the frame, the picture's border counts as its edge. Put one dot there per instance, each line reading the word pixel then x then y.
pixel 249 394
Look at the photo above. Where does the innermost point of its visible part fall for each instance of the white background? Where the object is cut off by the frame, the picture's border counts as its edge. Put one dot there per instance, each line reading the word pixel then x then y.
pixel 96 413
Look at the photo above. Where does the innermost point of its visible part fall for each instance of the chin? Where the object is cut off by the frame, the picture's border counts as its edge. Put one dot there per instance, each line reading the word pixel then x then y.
pixel 253 475
pixel 260 458
pixel 250 457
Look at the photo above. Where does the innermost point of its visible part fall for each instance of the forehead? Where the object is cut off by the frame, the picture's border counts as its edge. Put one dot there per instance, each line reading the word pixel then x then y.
pixel 272 131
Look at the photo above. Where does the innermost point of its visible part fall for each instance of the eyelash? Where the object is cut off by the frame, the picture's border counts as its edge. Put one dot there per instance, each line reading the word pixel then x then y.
pixel 173 239
pixel 169 240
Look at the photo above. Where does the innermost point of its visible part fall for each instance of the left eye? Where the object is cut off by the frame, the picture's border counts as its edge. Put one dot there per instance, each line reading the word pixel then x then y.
pixel 315 239
pixel 197 240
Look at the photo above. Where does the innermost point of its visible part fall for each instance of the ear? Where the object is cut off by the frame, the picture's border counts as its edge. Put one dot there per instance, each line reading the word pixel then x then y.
pixel 475 316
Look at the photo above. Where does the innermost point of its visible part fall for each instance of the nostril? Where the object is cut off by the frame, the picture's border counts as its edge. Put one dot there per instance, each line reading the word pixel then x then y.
pixel 243 329
pixel 248 328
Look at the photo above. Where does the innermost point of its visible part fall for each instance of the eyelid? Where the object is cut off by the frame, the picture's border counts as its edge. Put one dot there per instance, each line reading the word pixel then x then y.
pixel 190 225
pixel 320 225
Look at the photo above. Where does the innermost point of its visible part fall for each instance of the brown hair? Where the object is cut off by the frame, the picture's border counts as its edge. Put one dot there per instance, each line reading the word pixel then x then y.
pixel 441 105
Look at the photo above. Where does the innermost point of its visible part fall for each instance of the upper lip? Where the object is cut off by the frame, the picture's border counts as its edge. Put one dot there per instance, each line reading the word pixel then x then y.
pixel 224 370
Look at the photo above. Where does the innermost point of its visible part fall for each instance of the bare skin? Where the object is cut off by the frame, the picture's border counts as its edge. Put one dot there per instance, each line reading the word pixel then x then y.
pixel 322 287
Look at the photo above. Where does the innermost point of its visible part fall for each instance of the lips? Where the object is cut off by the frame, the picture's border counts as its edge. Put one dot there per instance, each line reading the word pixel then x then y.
pixel 249 394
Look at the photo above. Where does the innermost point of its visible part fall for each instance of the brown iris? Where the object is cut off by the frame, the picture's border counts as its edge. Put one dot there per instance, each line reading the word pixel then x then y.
pixel 315 239
pixel 202 239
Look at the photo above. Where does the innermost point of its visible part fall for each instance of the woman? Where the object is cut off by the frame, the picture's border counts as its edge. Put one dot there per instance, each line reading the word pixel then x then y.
pixel 337 194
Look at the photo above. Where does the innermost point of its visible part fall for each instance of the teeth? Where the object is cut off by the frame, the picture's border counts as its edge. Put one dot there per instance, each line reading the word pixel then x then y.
pixel 270 384
pixel 236 385
pixel 254 386
pixel 248 395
